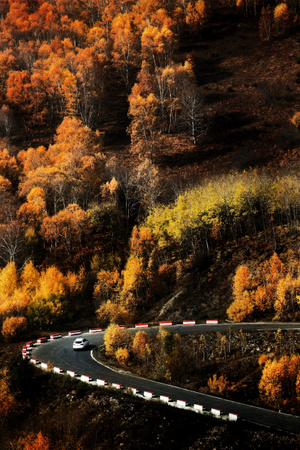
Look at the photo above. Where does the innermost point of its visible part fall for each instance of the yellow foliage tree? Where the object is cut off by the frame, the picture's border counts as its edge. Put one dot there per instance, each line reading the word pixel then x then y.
pixel 219 385
pixel 282 17
pixel 113 312
pixel 107 286
pixel 13 327
pixel 243 304
pixel 122 356
pixel 296 119
pixel 133 275
pixel 116 338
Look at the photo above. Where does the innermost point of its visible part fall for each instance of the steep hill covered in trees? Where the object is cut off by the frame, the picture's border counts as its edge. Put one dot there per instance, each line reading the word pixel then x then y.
pixel 149 154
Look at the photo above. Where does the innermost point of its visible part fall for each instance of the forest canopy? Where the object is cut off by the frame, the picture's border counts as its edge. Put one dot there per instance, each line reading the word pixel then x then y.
pixel 85 228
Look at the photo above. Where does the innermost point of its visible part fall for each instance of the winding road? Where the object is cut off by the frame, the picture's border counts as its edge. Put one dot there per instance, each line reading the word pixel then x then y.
pixel 61 354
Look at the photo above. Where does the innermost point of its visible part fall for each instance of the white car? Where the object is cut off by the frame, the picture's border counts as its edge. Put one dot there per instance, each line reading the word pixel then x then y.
pixel 80 344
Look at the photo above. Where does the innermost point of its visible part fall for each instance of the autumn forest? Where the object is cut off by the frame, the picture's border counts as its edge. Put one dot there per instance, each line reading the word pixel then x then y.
pixel 146 147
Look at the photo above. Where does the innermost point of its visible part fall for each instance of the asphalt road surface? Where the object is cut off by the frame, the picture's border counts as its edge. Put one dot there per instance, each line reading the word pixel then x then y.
pixel 61 354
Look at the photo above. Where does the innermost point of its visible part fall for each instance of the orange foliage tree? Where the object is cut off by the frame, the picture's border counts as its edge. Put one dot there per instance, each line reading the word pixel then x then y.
pixel 8 403
pixel 125 47
pixel 65 230
pixel 33 212
pixel 243 305
pixel 273 289
pixel 140 346
pixel 144 127
pixel 33 441
pixel 279 384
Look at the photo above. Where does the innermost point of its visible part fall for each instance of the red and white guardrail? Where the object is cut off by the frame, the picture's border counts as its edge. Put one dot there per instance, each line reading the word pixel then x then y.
pixel 86 378
pixel 35 361
pixel 27 348
pixel 182 403
pixel 199 408
pixel 165 399
pixel 55 336
pixel 117 385
pixel 148 394
pixel 216 412
pixel 74 333
pixel 135 391
pixel 189 322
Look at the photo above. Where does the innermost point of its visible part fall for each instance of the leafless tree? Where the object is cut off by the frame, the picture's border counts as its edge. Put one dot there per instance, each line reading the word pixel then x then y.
pixel 7 120
pixel 148 184
pixel 11 242
pixel 193 117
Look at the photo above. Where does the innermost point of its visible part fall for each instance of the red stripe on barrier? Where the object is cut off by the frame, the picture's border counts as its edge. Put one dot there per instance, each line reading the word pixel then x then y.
pixel 148 394
pixel 95 330
pixel 189 322
pixel 42 339
pixel 101 382
pixel 165 398
pixel 141 325
pixel 86 378
pixel 29 344
pixel 182 402
pixel 55 336
pixel 122 327
pixel 199 407
pixel 135 390
pixel 117 385
pixel 165 324
pixel 73 333
pixel 216 412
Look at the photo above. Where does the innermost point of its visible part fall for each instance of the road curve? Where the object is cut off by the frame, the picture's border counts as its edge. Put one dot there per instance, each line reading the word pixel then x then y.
pixel 61 354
